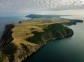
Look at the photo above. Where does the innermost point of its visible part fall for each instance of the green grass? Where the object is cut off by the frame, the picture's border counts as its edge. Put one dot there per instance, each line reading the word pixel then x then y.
pixel 10 49
pixel 33 30
pixel 49 32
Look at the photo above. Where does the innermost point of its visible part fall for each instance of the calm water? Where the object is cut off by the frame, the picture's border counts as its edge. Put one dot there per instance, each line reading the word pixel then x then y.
pixel 64 50
pixel 8 20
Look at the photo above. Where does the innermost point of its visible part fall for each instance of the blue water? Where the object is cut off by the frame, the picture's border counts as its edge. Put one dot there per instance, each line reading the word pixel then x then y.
pixel 9 20
pixel 64 50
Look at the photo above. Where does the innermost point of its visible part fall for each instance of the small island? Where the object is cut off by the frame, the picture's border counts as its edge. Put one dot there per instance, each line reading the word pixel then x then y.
pixel 22 39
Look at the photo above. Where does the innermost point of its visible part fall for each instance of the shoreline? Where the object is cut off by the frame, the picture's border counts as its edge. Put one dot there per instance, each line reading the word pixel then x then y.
pixel 42 46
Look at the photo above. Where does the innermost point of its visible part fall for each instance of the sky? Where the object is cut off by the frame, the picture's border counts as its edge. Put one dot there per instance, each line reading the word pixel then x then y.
pixel 8 7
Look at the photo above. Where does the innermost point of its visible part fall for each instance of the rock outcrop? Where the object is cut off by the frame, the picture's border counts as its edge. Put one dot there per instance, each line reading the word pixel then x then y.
pixel 73 22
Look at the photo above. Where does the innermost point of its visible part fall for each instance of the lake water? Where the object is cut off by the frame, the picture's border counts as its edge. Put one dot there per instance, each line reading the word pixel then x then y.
pixel 64 50
pixel 9 20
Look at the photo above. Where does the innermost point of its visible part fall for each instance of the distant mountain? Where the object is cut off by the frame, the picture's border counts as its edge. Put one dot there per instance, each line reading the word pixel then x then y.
pixel 43 16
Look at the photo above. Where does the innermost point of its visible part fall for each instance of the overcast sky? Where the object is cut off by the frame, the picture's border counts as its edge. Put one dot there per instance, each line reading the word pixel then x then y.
pixel 21 6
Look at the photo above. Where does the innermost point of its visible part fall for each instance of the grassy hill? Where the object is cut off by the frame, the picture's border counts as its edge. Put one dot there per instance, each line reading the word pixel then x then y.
pixel 30 35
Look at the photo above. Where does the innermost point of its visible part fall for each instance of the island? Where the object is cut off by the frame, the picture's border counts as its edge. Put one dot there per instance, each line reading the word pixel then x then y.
pixel 42 16
pixel 24 38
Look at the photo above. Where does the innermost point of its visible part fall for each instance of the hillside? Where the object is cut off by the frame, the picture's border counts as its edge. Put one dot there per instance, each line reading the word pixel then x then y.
pixel 24 38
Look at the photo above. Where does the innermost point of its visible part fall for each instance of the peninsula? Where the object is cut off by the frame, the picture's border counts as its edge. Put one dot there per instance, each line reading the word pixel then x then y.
pixel 22 39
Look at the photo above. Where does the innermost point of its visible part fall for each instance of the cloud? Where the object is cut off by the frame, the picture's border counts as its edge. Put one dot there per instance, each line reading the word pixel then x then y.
pixel 26 5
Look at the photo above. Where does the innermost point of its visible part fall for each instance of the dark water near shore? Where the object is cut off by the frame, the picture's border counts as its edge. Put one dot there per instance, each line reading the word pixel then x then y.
pixel 64 50
pixel 9 20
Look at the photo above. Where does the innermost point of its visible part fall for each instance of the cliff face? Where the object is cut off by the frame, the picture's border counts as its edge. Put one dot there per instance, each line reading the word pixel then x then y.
pixel 21 40
pixel 6 37
pixel 5 44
